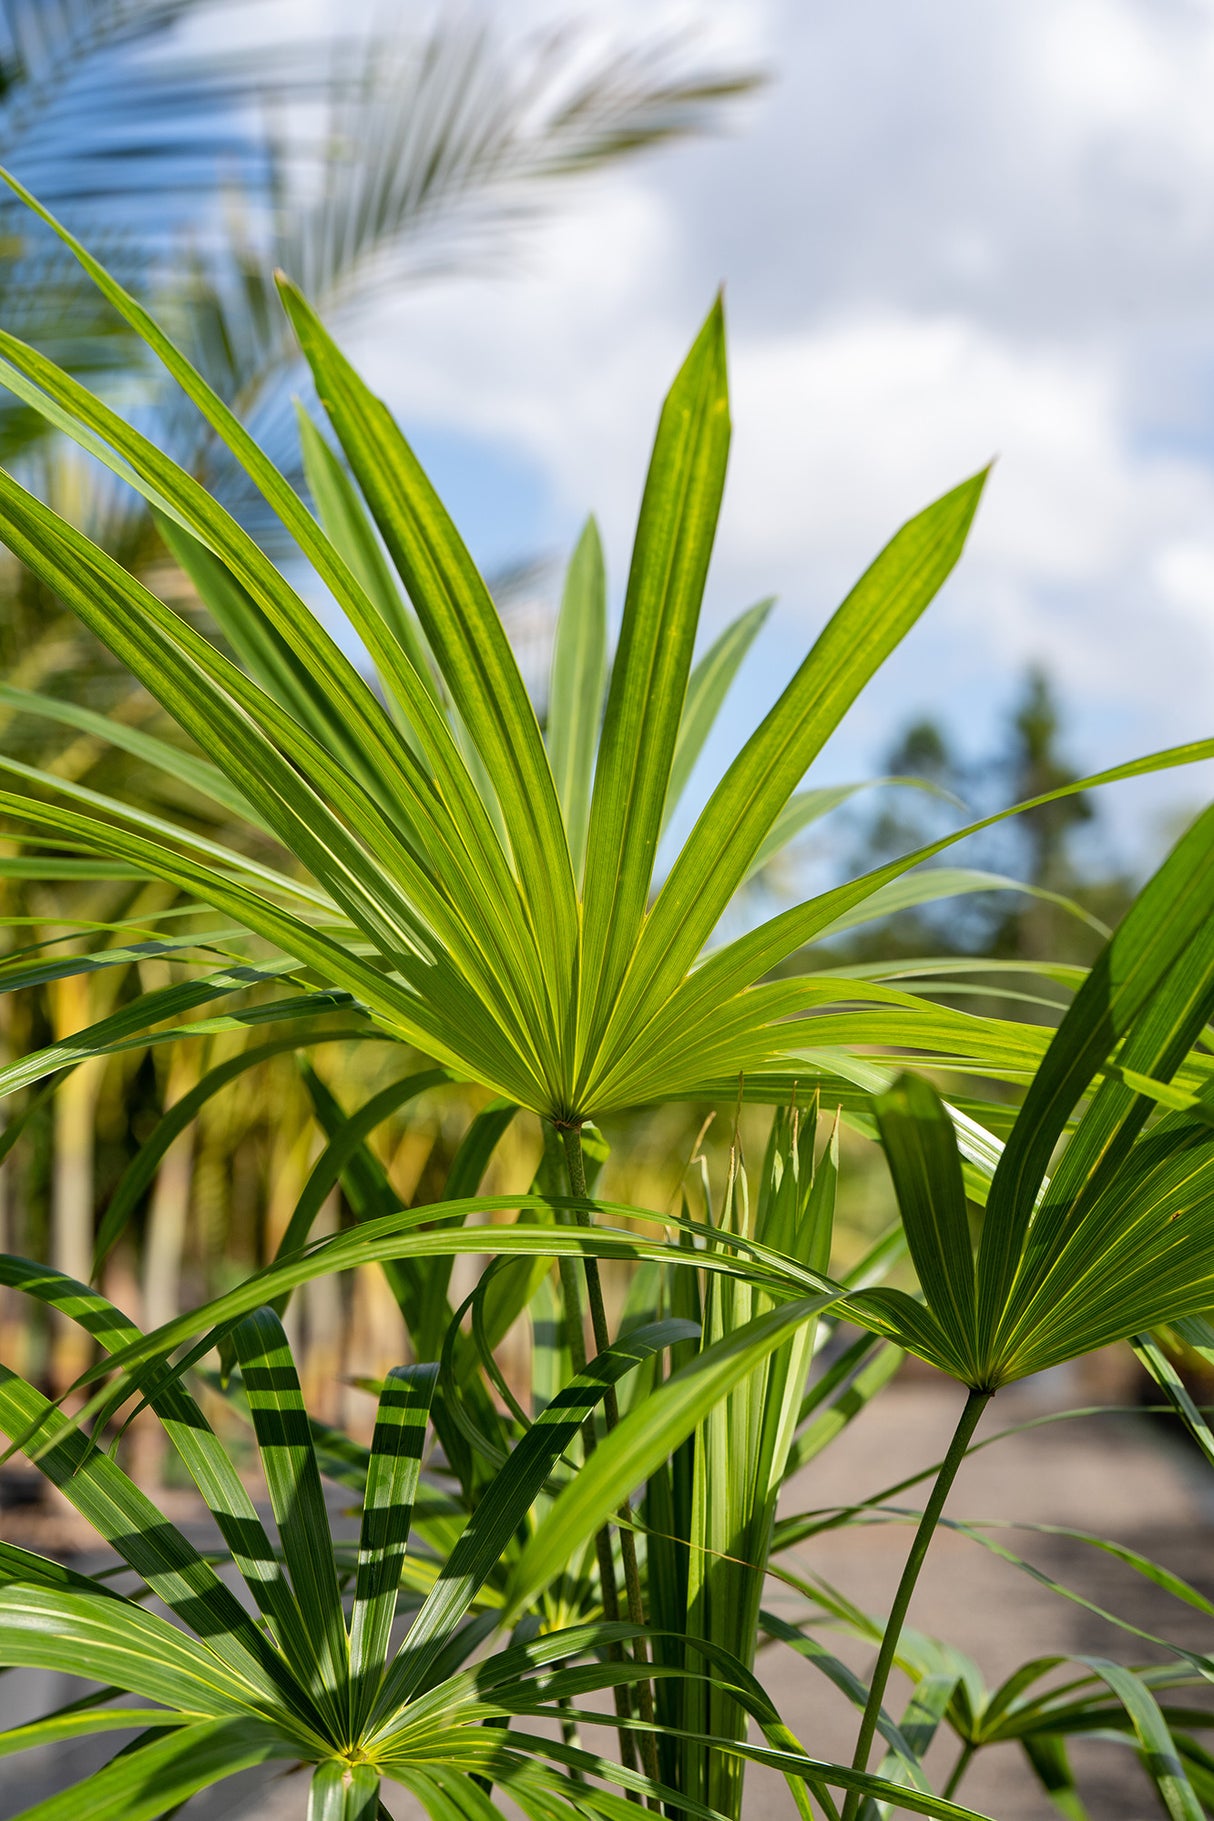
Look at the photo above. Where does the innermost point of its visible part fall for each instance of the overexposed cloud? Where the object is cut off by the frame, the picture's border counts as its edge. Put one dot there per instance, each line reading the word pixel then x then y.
pixel 849 427
pixel 948 232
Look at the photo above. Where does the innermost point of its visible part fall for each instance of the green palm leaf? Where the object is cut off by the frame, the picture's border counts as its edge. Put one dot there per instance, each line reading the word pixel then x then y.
pixel 1156 940
pixel 575 695
pixel 464 632
pixel 883 606
pixel 270 1383
pixel 402 838
pixel 921 1148
pixel 218 1482
pixel 162 1772
pixel 343 1792
pixel 649 676
pixel 529 1465
pixel 392 1476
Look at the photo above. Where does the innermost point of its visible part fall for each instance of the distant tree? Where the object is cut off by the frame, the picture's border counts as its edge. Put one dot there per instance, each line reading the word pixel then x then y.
pixel 1027 760
pixel 1033 763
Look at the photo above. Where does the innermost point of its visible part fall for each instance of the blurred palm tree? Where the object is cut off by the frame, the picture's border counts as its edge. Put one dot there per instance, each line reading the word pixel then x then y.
pixel 197 158
pixel 196 167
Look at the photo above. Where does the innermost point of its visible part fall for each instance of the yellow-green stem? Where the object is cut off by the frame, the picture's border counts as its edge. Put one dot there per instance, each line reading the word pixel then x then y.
pixel 975 1404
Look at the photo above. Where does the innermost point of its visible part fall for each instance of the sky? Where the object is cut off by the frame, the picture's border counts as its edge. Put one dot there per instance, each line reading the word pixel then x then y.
pixel 946 233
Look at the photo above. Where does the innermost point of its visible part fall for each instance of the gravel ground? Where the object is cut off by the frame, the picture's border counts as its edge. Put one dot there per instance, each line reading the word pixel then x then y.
pixel 1120 1476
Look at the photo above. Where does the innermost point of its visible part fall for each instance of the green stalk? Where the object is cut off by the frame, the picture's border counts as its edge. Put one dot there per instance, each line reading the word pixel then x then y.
pixel 571 1297
pixel 576 1163
pixel 958 1771
pixel 975 1404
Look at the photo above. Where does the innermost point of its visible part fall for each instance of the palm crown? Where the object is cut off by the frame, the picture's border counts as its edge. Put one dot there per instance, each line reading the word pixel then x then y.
pixel 471 902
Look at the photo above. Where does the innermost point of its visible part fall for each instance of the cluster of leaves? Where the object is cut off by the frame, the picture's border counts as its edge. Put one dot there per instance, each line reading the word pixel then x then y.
pixel 419 863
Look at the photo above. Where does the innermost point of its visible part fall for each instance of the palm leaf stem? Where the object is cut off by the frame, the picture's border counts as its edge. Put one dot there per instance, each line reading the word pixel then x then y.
pixel 575 1337
pixel 575 1161
pixel 975 1404
pixel 959 1769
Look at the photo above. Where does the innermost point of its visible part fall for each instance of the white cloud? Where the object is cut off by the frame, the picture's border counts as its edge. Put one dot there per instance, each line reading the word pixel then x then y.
pixel 953 232
pixel 848 428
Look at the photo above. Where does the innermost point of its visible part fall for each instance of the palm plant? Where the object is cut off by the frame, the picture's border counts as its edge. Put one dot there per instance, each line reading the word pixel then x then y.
pixel 315 1684
pixel 137 116
pixel 1120 1238
pixel 424 866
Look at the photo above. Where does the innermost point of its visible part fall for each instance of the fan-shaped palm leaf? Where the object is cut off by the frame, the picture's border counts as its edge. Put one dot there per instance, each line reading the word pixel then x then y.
pixel 470 943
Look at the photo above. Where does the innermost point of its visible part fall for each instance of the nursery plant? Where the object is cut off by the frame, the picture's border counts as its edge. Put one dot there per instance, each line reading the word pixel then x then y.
pixel 413 860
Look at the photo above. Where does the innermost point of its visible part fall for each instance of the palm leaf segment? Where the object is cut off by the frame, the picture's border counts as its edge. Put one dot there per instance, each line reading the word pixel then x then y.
pixel 1120 1237
pixel 429 853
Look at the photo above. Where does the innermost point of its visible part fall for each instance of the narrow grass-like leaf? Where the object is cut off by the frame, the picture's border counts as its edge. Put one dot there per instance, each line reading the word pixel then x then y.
pixel 265 653
pixel 200 1452
pixel 644 1438
pixel 1048 1756
pixel 829 1422
pixel 805 807
pixel 813 1771
pixel 410 1015
pixel 139 1174
pixel 1139 1254
pixel 453 823
pixel 346 1141
pixel 435 1230
pixel 225 565
pixel 1158 1043
pixel 116 1641
pixel 351 532
pixel 1176 1391
pixel 475 1149
pixel 343 1792
pixel 173 761
pixel 159 1774
pixel 132 1021
pixel 479 1548
pixel 733 968
pixel 129 815
pixel 82 1723
pixel 1172 908
pixel 1158 1751
pixel 16 973
pixel 849 1684
pixel 575 693
pixel 935 883
pixel 464 632
pixel 397 917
